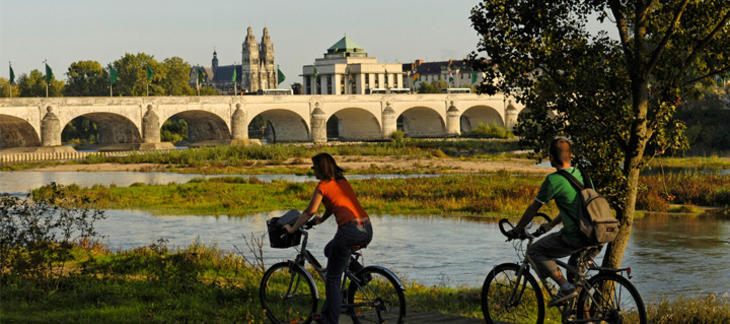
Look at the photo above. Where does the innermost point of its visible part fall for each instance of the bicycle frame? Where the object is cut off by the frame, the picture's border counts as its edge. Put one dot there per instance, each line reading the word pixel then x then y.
pixel 581 280
pixel 305 255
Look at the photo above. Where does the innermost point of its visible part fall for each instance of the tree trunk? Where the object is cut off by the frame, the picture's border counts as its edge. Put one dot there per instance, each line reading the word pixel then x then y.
pixel 632 167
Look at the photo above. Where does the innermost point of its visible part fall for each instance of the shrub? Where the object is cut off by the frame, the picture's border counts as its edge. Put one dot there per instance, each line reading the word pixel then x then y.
pixel 36 239
pixel 489 131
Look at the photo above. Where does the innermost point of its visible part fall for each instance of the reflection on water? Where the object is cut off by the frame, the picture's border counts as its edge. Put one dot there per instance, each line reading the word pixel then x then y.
pixel 668 256
pixel 15 182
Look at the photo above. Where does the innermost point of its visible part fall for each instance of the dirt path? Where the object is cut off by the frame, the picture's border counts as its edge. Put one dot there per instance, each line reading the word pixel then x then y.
pixel 440 165
pixel 428 318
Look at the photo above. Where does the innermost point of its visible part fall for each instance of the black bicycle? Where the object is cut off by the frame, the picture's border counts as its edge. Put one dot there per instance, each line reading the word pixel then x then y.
pixel 511 294
pixel 289 294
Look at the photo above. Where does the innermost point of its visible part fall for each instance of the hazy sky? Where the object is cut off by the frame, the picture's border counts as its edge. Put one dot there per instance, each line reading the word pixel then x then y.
pixel 64 31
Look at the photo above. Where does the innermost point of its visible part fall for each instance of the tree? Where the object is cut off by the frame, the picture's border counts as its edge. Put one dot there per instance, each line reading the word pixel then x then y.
pixel 133 75
pixel 208 91
pixel 435 87
pixel 615 98
pixel 34 85
pixel 5 89
pixel 177 78
pixel 86 78
pixel 296 88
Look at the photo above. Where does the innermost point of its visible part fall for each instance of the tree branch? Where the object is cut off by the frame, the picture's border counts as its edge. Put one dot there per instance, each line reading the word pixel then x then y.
pixel 622 31
pixel 701 45
pixel 670 31
pixel 715 72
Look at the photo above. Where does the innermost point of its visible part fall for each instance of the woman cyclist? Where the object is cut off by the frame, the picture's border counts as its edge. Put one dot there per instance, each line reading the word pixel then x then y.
pixel 353 228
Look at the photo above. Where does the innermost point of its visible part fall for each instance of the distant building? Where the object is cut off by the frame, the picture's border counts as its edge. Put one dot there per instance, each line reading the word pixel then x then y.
pixel 257 70
pixel 456 73
pixel 347 69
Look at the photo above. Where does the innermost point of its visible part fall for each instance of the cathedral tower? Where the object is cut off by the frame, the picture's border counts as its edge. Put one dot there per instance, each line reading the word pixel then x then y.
pixel 268 69
pixel 250 65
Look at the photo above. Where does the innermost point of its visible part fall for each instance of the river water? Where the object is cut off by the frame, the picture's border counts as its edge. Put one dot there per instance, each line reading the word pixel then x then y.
pixel 669 256
pixel 25 181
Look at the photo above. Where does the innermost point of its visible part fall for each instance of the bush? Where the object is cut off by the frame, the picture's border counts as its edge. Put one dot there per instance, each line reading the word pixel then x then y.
pixel 36 239
pixel 488 131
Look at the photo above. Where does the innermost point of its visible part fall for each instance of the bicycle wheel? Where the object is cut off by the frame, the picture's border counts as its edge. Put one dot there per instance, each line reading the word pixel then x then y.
pixel 613 299
pixel 378 299
pixel 507 299
pixel 287 294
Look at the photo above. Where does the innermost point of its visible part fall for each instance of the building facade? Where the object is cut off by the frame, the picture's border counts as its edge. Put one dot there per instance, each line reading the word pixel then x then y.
pixel 347 69
pixel 257 71
pixel 457 73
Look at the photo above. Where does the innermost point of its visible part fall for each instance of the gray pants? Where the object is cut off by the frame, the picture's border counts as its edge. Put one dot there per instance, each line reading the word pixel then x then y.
pixel 551 247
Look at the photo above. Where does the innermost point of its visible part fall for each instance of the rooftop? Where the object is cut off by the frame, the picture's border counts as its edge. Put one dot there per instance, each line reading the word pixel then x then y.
pixel 345 45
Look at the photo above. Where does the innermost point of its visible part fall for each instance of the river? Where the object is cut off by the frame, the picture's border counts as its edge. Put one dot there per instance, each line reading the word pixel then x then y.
pixel 669 256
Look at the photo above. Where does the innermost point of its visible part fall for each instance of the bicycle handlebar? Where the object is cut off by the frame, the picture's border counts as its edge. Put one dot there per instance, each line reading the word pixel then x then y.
pixel 535 234
pixel 310 224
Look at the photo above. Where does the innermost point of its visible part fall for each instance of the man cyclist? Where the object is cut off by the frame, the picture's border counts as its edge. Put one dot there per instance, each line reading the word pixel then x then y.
pixel 570 240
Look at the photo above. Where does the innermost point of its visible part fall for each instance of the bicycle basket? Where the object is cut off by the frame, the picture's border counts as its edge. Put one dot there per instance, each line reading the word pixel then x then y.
pixel 279 238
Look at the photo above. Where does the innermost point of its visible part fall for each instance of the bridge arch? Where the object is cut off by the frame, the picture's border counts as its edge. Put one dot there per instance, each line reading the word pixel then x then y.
pixel 475 115
pixel 202 126
pixel 353 124
pixel 421 122
pixel 278 125
pixel 111 128
pixel 15 132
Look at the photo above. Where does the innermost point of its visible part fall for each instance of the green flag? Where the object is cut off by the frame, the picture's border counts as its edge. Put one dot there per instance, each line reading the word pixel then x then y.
pixel 316 74
pixel 202 76
pixel 113 75
pixel 49 74
pixel 280 75
pixel 12 75
pixel 233 79
pixel 473 77
pixel 149 73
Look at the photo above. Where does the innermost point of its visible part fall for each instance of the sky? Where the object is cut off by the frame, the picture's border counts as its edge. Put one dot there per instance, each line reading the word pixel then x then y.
pixel 65 31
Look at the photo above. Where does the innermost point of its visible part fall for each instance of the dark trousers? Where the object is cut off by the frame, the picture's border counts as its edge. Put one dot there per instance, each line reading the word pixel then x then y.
pixel 551 247
pixel 338 251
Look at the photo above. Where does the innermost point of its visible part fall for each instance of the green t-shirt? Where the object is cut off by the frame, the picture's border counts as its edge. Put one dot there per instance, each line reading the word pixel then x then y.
pixel 566 198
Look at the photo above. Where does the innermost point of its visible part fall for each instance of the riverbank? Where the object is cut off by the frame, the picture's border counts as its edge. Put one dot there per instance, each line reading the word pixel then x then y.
pixel 493 195
pixel 204 284
pixel 301 166
pixel 232 156
pixel 489 195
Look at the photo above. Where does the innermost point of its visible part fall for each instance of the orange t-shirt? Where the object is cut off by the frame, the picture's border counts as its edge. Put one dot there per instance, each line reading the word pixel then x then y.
pixel 339 198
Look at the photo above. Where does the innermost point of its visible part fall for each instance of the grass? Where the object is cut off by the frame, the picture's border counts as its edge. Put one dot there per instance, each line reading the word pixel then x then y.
pixel 657 192
pixel 492 195
pixel 204 284
pixel 693 162
pixel 236 158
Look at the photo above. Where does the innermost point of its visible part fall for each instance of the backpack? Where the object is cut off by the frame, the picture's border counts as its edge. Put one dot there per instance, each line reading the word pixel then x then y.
pixel 596 218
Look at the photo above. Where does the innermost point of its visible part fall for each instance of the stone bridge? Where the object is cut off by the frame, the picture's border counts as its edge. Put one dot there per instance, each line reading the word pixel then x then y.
pixel 294 118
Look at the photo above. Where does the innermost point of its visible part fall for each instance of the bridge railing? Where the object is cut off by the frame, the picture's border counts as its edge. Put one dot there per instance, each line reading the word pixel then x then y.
pixel 15 158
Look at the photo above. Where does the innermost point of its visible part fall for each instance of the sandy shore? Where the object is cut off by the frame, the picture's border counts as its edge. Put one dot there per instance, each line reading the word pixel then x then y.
pixel 440 165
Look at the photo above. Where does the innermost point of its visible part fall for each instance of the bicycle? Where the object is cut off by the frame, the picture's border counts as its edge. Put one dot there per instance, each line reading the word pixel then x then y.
pixel 289 294
pixel 511 294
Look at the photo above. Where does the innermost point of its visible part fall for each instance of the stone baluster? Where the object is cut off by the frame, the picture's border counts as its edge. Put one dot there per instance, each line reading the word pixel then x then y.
pixel 150 126
pixel 453 125
pixel 50 129
pixel 389 121
pixel 319 125
pixel 510 116
pixel 239 128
